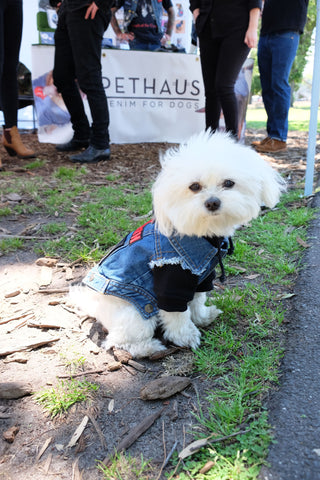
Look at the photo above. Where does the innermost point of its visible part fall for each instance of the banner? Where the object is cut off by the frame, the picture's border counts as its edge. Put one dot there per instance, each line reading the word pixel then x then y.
pixel 152 96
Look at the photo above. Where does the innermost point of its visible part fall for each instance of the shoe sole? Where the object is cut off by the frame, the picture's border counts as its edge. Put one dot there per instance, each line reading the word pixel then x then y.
pixel 271 151
pixel 96 160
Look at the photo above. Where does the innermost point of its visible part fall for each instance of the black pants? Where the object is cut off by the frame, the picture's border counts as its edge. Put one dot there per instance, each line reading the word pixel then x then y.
pixel 10 40
pixel 221 61
pixel 78 63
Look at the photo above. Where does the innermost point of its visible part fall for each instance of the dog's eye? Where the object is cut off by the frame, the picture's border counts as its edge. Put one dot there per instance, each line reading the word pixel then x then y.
pixel 195 187
pixel 228 184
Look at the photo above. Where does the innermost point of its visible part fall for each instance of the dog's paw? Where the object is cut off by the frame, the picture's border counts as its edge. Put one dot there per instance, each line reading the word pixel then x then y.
pixel 142 349
pixel 183 334
pixel 205 315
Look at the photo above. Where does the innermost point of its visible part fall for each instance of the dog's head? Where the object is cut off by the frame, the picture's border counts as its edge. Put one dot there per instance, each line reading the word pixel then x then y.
pixel 211 185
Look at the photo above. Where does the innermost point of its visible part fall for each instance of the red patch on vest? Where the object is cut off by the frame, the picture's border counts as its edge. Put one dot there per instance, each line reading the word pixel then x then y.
pixel 137 234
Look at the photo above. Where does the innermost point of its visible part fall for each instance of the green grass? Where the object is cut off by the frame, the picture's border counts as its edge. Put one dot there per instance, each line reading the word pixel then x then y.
pixel 240 355
pixel 125 467
pixel 242 352
pixel 299 116
pixel 58 399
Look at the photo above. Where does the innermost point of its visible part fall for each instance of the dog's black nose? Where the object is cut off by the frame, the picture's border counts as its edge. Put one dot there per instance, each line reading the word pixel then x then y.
pixel 212 204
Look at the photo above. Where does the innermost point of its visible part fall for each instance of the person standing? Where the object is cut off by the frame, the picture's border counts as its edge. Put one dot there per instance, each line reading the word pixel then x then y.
pixel 283 22
pixel 11 19
pixel 227 30
pixel 77 64
pixel 142 23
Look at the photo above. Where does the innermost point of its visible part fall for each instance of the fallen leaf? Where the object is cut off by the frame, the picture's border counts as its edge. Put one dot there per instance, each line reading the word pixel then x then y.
pixel 164 387
pixel 302 242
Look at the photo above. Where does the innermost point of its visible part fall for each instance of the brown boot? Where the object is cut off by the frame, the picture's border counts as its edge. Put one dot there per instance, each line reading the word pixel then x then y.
pixel 13 144
pixel 272 146
pixel 260 142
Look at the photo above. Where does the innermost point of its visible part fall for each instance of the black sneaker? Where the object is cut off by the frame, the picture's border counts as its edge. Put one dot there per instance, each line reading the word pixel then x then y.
pixel 91 155
pixel 73 145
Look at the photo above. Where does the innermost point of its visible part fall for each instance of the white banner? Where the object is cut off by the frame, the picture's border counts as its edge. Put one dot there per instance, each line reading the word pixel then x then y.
pixel 152 96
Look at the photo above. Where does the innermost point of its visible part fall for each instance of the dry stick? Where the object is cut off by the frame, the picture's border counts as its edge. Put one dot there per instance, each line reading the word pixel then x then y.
pixel 54 290
pixel 166 458
pixel 98 430
pixel 21 315
pixel 27 237
pixel 86 372
pixel 135 433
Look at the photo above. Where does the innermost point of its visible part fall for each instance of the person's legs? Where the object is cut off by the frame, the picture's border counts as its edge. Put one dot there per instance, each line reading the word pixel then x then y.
pixel 265 69
pixel 64 78
pixel 209 54
pixel 10 40
pixel 85 40
pixel 284 48
pixel 233 52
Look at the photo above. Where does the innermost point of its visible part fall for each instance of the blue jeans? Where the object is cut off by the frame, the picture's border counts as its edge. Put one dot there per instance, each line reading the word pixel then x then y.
pixel 138 45
pixel 276 53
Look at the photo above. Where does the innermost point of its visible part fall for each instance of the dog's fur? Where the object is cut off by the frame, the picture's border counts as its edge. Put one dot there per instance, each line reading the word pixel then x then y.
pixel 210 161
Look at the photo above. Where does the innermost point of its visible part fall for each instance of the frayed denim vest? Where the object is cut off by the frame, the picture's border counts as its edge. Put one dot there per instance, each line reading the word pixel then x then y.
pixel 130 8
pixel 126 271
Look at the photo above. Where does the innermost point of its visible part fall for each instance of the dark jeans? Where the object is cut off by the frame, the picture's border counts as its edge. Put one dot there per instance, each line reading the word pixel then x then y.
pixel 78 63
pixel 10 40
pixel 276 54
pixel 221 61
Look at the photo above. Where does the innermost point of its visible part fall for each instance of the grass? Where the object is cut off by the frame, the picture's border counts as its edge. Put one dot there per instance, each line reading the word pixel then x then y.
pixel 299 116
pixel 241 354
pixel 125 467
pixel 58 399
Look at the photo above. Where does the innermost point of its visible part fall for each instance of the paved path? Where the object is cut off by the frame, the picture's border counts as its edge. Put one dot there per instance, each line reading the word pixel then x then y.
pixel 295 407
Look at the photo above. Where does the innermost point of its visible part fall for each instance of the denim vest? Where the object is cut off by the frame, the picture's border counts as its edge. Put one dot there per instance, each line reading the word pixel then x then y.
pixel 126 271
pixel 130 8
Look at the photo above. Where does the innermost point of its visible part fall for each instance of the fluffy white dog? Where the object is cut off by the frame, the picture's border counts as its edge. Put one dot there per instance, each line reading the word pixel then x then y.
pixel 158 275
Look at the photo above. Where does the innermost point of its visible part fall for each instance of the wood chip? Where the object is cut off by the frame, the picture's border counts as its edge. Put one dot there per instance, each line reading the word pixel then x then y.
pixel 9 346
pixel 113 366
pixel 69 274
pixel 13 390
pixel 164 387
pixel 43 448
pixel 18 358
pixel 78 432
pixel 15 293
pixel 122 355
pixel 137 366
pixel 46 262
pixel 163 353
pixel 207 467
pixel 10 434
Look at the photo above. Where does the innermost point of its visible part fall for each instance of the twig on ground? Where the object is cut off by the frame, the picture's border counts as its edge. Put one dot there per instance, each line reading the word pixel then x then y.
pixel 137 431
pixel 86 372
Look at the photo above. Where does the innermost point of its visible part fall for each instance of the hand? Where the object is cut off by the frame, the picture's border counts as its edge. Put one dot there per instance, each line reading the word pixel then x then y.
pixel 91 11
pixel 165 39
pixel 251 38
pixel 196 13
pixel 125 37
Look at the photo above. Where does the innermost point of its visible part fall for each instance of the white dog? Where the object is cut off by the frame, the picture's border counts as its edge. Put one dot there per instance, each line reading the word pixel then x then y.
pixel 158 275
